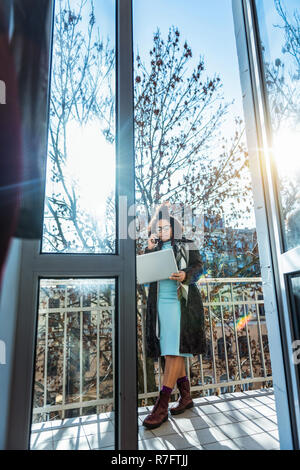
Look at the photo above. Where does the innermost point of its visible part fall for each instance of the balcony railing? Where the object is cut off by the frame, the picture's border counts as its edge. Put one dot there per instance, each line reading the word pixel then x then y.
pixel 237 356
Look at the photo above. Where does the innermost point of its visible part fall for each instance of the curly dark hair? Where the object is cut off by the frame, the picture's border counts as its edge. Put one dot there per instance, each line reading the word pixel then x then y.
pixel 162 212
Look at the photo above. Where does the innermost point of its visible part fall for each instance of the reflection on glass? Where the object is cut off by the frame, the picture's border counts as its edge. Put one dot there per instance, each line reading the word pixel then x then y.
pixel 295 292
pixel 190 149
pixel 80 191
pixel 73 404
pixel 279 22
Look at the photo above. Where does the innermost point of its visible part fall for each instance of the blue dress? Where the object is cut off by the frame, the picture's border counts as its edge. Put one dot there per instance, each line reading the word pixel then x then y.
pixel 169 315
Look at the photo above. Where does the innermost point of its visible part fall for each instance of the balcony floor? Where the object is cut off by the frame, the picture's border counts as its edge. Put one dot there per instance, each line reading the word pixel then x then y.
pixel 240 421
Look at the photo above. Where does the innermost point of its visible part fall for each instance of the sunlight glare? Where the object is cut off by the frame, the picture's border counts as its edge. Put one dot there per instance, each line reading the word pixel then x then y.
pixel 287 152
pixel 91 165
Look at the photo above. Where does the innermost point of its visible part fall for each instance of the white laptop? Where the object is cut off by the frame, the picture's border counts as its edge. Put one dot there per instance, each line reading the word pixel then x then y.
pixel 155 266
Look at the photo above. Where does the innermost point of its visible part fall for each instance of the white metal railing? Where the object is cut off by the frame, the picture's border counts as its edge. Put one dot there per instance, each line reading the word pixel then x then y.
pixel 245 286
pixel 222 298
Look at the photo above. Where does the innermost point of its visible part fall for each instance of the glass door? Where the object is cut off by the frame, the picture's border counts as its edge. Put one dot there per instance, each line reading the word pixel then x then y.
pixel 191 151
pixel 271 85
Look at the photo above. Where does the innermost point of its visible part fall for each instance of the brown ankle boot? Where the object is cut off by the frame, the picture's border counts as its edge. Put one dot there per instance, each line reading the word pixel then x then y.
pixel 185 401
pixel 159 413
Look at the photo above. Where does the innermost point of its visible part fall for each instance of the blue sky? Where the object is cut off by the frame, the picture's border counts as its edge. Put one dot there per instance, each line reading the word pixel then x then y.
pixel 206 26
pixel 209 30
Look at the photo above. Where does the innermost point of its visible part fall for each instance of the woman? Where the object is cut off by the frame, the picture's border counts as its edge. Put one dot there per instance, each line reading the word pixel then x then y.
pixel 175 317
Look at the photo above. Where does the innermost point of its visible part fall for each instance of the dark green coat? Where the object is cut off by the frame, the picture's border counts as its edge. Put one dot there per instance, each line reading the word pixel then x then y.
pixel 192 328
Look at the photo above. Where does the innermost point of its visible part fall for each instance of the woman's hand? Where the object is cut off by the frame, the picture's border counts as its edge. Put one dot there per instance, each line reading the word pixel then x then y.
pixel 151 241
pixel 180 276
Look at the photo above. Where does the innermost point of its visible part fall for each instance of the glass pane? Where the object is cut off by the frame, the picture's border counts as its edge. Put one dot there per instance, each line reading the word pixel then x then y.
pixel 191 151
pixel 73 404
pixel 279 23
pixel 80 211
pixel 295 301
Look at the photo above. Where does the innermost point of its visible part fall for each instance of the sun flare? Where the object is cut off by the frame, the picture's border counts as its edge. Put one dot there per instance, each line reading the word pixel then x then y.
pixel 287 152
pixel 91 164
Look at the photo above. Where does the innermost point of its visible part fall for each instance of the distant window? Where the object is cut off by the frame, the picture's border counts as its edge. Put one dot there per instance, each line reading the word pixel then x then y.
pixel 208 380
pixel 86 301
pixel 52 362
pixel 221 350
pixel 54 303
pixel 247 386
pixel 261 309
pixel 208 354
pixel 227 389
pixel 269 383
pixel 265 342
pixel 243 346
